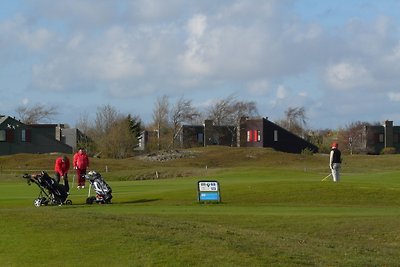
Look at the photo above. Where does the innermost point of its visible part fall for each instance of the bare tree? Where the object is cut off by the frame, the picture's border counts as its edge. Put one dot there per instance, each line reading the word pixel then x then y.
pixel 181 112
pixel 85 125
pixel 106 117
pixel 36 113
pixel 160 116
pixel 119 141
pixel 221 112
pixel 295 120
pixel 229 111
pixel 114 134
pixel 242 109
pixel 353 136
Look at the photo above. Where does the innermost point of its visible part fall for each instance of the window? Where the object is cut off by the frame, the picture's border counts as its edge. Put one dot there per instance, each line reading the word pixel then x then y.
pixel 381 138
pixel 200 138
pixel 253 136
pixel 25 135
pixel 2 135
pixel 275 135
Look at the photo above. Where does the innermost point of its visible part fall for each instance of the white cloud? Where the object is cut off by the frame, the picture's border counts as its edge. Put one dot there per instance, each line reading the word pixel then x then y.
pixel 156 10
pixel 192 60
pixel 37 39
pixel 303 94
pixel 197 25
pixel 393 96
pixel 76 41
pixel 114 63
pixel 207 49
pixel 281 92
pixel 259 87
pixel 345 75
pixel 49 76
pixel 17 31
pixel 80 14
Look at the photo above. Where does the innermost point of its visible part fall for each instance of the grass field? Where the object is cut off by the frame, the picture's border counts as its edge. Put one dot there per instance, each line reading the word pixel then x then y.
pixel 275 211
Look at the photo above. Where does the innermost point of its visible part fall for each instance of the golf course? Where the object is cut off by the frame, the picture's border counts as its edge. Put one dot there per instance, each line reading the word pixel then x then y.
pixel 276 209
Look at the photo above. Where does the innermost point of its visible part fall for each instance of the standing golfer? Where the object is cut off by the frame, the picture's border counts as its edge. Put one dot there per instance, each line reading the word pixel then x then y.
pixel 335 159
pixel 61 168
pixel 81 162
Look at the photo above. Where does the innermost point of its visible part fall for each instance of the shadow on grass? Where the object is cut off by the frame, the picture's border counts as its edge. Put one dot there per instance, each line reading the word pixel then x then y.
pixel 138 201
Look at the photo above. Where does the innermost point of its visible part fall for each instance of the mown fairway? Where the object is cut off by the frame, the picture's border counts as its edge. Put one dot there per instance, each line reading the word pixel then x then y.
pixel 275 211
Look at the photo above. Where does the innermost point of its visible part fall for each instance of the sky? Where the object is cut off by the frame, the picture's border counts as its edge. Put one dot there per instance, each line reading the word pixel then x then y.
pixel 340 60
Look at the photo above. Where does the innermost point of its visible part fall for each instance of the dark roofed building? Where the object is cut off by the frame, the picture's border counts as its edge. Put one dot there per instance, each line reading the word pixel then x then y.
pixel 377 137
pixel 253 133
pixel 264 133
pixel 17 137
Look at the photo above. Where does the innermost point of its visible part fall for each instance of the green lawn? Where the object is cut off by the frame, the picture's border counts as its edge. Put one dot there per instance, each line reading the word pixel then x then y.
pixel 270 215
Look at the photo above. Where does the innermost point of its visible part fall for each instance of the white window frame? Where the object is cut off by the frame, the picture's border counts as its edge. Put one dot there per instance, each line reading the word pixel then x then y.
pixel 23 135
pixel 275 135
pixel 3 136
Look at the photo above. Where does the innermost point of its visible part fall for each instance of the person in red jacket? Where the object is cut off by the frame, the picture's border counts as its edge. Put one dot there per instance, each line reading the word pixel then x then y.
pixel 61 168
pixel 81 162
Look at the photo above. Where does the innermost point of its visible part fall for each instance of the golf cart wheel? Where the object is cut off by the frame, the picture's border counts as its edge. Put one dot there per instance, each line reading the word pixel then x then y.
pixel 68 202
pixel 37 202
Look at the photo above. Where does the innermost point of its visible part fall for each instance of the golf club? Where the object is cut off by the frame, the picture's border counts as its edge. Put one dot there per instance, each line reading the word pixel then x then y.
pixel 326 177
pixel 73 180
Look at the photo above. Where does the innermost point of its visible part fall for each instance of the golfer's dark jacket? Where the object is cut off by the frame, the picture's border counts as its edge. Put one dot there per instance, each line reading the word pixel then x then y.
pixel 337 156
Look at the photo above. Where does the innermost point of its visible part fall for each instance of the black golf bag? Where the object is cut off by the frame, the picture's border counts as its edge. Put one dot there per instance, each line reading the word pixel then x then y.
pixel 51 192
pixel 102 189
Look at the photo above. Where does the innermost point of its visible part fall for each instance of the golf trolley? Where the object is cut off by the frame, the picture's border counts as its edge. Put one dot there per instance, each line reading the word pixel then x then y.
pixel 102 189
pixel 51 192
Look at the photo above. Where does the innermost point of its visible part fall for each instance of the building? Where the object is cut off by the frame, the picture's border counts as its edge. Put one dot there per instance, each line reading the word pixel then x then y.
pixel 376 138
pixel 17 137
pixel 73 137
pixel 252 133
pixel 206 135
pixel 264 133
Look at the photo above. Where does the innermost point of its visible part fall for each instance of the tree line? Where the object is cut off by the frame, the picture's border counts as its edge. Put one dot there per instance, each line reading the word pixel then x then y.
pixel 116 135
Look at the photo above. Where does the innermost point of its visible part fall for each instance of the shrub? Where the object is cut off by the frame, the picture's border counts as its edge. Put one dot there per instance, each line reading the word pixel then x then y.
pixel 388 150
pixel 307 152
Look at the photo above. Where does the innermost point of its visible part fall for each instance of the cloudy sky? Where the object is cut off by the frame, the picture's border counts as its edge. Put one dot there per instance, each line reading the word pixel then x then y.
pixel 340 60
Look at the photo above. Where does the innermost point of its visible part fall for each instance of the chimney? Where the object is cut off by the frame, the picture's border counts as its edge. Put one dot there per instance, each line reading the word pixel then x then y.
pixel 388 133
pixel 58 132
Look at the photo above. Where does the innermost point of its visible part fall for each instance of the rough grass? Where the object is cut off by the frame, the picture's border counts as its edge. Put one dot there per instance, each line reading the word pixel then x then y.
pixel 275 211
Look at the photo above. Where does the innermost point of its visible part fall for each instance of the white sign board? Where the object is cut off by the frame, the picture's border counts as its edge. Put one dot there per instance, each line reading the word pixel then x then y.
pixel 209 191
pixel 208 186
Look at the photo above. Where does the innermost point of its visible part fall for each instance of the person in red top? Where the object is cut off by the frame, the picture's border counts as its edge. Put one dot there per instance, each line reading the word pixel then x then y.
pixel 61 168
pixel 81 162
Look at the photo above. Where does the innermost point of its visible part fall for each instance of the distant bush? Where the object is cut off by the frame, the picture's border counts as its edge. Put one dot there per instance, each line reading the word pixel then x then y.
pixel 307 152
pixel 324 149
pixel 388 150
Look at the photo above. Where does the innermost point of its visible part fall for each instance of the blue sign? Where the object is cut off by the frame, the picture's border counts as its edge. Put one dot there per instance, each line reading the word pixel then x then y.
pixel 209 196
pixel 209 191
